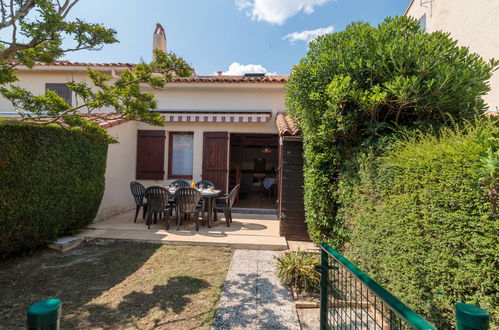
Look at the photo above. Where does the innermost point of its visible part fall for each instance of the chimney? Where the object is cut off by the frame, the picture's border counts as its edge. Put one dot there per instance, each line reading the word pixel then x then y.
pixel 159 39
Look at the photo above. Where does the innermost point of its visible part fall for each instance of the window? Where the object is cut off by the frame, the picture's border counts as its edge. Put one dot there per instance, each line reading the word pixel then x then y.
pixel 422 22
pixel 62 90
pixel 181 149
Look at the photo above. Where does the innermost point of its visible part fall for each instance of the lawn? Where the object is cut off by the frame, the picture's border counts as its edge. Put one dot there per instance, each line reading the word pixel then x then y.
pixel 117 285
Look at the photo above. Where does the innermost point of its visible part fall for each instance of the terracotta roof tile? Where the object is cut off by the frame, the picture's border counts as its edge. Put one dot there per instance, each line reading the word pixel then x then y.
pixel 106 120
pixel 286 125
pixel 279 79
pixel 408 7
pixel 231 79
pixel 69 64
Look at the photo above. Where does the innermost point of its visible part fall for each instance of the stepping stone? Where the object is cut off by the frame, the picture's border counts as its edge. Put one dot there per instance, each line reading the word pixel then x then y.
pixel 65 243
pixel 253 297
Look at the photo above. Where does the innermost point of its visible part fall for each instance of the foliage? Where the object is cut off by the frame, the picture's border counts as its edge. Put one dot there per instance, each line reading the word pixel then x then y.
pixel 490 169
pixel 355 86
pixel 422 224
pixel 47 35
pixel 52 183
pixel 297 269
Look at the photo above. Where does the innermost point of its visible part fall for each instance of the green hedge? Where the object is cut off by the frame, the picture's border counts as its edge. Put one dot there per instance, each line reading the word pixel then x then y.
pixel 51 183
pixel 357 86
pixel 422 222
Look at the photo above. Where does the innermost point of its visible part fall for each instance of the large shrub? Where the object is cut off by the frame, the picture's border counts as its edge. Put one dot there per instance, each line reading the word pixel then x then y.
pixel 355 86
pixel 423 223
pixel 51 183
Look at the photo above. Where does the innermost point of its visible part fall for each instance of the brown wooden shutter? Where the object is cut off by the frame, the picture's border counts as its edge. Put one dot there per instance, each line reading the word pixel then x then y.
pixel 215 158
pixel 62 90
pixel 291 208
pixel 150 155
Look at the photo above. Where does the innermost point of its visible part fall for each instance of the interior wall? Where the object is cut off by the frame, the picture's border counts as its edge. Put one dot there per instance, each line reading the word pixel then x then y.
pixel 250 154
pixel 246 156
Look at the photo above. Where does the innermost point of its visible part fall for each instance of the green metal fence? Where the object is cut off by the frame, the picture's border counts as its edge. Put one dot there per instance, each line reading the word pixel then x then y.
pixel 350 299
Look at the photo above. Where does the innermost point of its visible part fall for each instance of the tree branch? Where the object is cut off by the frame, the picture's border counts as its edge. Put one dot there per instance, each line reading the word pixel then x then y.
pixel 66 8
pixel 23 10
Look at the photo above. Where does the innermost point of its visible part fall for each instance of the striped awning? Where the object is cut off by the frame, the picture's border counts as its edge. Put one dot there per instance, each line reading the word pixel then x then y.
pixel 218 117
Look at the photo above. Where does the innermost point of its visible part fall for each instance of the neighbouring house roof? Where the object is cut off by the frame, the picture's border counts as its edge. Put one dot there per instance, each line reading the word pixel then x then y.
pixel 106 120
pixel 286 126
pixel 408 7
pixel 231 79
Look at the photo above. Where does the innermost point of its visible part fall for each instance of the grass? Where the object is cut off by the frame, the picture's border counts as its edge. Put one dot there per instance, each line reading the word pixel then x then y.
pixel 117 285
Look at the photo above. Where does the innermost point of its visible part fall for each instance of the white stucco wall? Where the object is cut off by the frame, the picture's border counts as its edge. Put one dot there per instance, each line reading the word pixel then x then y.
pixel 35 80
pixel 221 98
pixel 120 170
pixel 121 163
pixel 473 23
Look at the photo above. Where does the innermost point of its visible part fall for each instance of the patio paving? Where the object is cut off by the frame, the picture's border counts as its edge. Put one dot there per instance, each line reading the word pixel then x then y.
pixel 247 231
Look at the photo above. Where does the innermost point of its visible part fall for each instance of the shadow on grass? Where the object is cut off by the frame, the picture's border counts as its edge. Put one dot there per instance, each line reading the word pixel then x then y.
pixel 173 296
pixel 75 277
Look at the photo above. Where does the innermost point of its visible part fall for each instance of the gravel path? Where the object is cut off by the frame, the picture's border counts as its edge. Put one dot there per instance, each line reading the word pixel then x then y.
pixel 253 297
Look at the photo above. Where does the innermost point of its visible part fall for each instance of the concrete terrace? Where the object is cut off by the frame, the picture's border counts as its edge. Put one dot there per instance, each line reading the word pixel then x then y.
pixel 247 231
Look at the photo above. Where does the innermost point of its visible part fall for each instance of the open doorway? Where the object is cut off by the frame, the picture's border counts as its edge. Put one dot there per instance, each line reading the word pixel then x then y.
pixel 253 165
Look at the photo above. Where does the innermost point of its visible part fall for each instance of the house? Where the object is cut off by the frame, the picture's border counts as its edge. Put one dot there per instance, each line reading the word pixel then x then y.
pixel 471 23
pixel 217 127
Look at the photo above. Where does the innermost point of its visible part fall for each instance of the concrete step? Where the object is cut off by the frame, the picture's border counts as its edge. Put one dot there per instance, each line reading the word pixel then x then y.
pixel 65 243
pixel 245 210
pixel 247 231
pixel 236 241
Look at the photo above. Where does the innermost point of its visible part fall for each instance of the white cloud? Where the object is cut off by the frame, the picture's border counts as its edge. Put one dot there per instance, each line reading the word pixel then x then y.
pixel 238 69
pixel 277 11
pixel 307 35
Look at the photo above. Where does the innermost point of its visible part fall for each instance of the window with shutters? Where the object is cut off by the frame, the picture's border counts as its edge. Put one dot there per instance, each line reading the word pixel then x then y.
pixel 150 155
pixel 62 90
pixel 180 155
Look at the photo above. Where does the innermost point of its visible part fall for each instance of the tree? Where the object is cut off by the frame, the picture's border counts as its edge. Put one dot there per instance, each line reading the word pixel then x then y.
pixel 355 87
pixel 39 31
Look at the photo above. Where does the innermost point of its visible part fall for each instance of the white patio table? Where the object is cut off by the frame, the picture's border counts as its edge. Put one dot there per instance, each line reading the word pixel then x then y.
pixel 208 195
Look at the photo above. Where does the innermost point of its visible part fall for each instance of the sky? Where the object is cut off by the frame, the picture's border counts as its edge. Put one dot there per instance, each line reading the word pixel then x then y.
pixel 232 36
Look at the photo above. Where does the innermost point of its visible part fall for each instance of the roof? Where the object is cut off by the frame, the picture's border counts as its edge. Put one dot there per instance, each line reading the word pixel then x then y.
pixel 408 7
pixel 286 126
pixel 106 120
pixel 85 64
pixel 231 79
pixel 278 79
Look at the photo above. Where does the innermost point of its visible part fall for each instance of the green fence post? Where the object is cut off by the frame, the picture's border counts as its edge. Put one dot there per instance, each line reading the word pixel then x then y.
pixel 324 300
pixel 471 317
pixel 45 315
